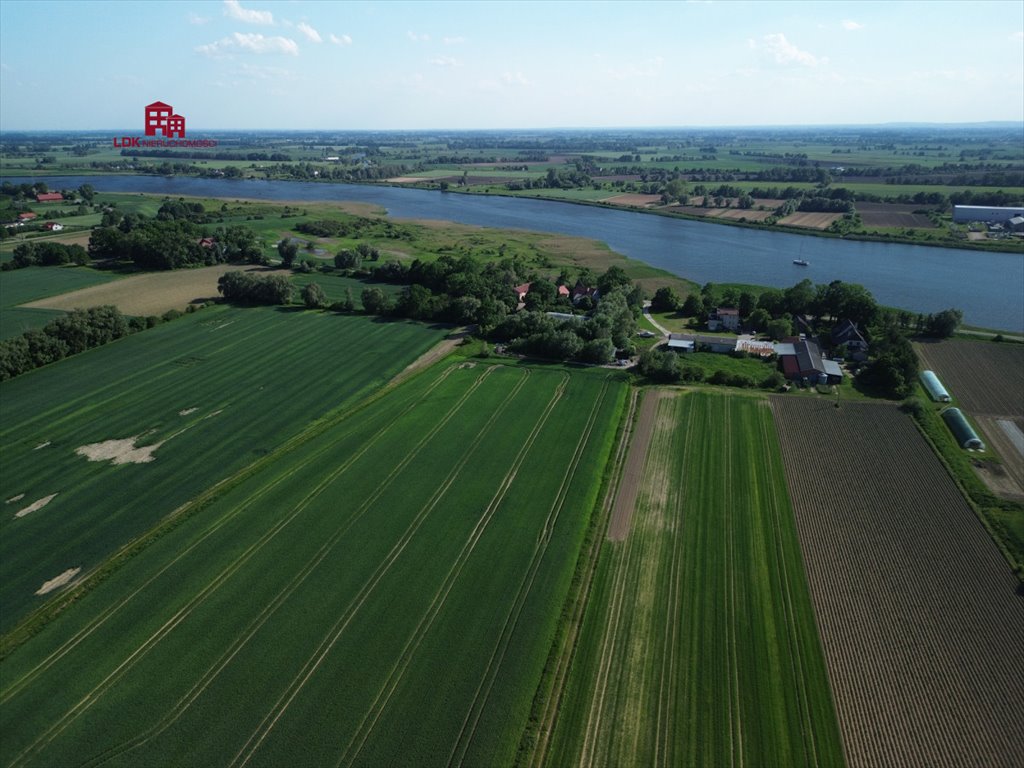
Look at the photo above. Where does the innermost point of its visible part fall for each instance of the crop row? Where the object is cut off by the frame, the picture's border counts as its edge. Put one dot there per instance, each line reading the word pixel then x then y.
pixel 921 626
pixel 215 390
pixel 400 572
pixel 699 646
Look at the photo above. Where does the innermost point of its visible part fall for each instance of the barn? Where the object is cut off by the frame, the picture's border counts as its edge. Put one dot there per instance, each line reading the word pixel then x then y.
pixel 991 214
pixel 964 433
pixel 934 387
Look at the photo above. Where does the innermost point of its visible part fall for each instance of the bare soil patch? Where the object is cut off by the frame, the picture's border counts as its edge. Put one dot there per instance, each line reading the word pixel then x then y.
pixel 633 200
pixel 406 180
pixel 1005 479
pixel 895 219
pixel 123 451
pixel 13 499
pixel 149 294
pixel 472 180
pixel 36 505
pixel 632 470
pixel 58 581
pixel 810 219
pixel 187 411
pixel 431 356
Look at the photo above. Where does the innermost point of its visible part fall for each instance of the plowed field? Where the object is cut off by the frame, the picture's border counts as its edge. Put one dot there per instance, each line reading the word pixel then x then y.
pixel 986 378
pixel 920 617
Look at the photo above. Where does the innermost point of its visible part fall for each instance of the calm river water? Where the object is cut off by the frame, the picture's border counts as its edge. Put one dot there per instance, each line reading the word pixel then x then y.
pixel 988 287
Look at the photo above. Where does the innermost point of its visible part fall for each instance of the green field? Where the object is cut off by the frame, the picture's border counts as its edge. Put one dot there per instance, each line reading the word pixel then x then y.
pixel 699 646
pixel 217 389
pixel 384 591
pixel 23 285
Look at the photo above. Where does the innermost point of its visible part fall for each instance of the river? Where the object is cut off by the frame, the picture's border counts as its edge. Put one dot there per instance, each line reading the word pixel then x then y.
pixel 988 287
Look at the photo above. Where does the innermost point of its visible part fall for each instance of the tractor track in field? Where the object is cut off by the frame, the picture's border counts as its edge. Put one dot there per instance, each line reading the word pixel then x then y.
pixel 101 618
pixel 96 694
pixel 327 643
pixel 632 472
pixel 567 651
pixel 395 676
pixel 525 587
pixel 294 583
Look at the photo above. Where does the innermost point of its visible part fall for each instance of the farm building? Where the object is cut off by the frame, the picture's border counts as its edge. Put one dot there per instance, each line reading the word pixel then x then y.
pixel 847 335
pixel 965 213
pixel 806 362
pixel 49 197
pixel 755 347
pixel 724 317
pixel 1016 224
pixel 27 216
pixel 686 342
pixel 934 386
pixel 964 433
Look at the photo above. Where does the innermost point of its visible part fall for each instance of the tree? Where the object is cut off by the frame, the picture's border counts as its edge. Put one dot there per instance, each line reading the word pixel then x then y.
pixel 542 294
pixel 347 259
pixel 287 250
pixel 799 298
pixel 692 306
pixel 943 324
pixel 759 319
pixel 747 303
pixel 313 296
pixel 779 329
pixel 613 278
pixel 375 301
pixel 665 300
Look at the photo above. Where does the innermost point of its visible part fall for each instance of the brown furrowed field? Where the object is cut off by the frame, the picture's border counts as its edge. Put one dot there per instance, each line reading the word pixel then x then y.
pixel 986 378
pixel 149 294
pixel 893 215
pixel 810 220
pixel 633 200
pixel 921 620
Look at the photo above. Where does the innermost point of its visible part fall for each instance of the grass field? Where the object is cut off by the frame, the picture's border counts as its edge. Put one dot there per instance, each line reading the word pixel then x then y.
pixel 920 616
pixel 382 592
pixel 699 646
pixel 215 390
pixel 20 286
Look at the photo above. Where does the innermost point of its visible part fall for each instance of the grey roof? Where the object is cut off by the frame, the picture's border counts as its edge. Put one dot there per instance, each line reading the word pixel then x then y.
pixel 808 356
pixel 784 349
pixel 847 331
pixel 702 339
pixel 832 368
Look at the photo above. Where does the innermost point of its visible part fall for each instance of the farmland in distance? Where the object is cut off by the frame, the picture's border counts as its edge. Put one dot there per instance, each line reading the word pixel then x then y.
pixel 383 592
pixel 174 410
pixel 699 646
pixel 921 619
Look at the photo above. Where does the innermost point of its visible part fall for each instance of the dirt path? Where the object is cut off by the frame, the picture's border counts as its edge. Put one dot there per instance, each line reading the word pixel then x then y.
pixel 655 323
pixel 632 472
pixel 431 356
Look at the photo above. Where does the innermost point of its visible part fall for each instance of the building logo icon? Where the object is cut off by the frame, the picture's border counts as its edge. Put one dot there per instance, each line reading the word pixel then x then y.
pixel 160 117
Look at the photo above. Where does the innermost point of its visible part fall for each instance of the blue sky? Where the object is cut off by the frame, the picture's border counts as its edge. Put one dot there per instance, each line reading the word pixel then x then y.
pixel 244 64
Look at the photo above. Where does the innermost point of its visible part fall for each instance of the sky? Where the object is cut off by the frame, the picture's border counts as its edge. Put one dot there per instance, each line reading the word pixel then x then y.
pixel 300 65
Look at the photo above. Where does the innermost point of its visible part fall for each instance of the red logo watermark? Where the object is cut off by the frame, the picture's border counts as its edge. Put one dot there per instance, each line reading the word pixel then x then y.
pixel 160 119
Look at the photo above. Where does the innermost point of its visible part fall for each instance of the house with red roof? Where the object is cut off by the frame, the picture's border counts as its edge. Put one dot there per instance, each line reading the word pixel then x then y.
pixel 49 197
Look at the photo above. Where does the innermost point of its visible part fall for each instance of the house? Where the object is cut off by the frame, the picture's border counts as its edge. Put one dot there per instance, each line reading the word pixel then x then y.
pixel 563 291
pixel 1016 224
pixel 806 362
pixel 846 335
pixel 207 242
pixel 53 226
pixel 27 216
pixel 724 317
pixel 581 291
pixel 687 342
pixel 522 290
pixel 49 197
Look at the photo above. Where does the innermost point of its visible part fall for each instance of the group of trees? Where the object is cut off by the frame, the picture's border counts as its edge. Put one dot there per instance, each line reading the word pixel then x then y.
pixel 172 243
pixel 46 254
pixel 250 288
pixel 67 335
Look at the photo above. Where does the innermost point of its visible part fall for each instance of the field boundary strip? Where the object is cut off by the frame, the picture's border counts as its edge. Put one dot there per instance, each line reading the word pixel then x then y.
pixel 441 595
pixel 526 585
pixel 564 652
pixel 93 696
pixel 294 583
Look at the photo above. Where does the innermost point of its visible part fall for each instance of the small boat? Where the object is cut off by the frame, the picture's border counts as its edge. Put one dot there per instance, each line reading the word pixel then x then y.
pixel 801 262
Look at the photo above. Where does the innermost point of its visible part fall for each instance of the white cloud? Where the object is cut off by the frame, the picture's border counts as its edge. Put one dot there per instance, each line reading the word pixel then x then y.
pixel 309 32
pixel 784 52
pixel 851 26
pixel 453 40
pixel 444 61
pixel 233 9
pixel 342 40
pixel 1018 36
pixel 514 78
pixel 195 18
pixel 250 42
pixel 417 38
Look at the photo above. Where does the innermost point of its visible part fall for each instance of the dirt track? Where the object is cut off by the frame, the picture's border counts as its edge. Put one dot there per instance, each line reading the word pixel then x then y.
pixel 632 472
